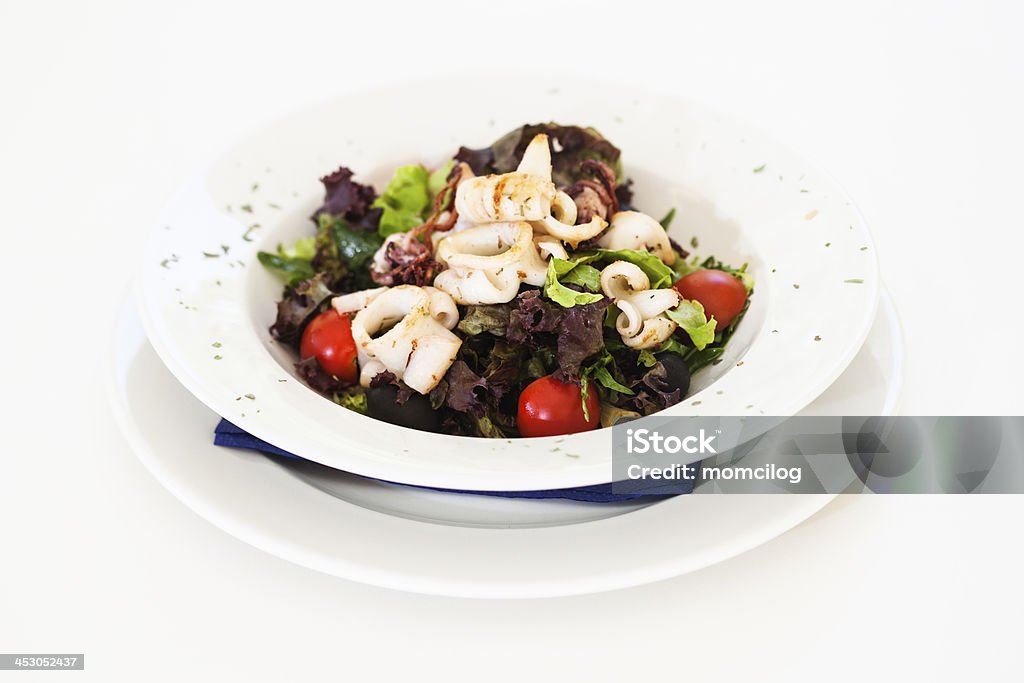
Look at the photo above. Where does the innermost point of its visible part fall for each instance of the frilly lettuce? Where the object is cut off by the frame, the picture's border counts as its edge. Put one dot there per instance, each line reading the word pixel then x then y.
pixel 690 317
pixel 404 200
pixel 561 271
pixel 407 200
pixel 657 272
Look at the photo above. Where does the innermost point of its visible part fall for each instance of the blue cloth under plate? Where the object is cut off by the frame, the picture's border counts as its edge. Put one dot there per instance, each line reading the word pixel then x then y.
pixel 228 434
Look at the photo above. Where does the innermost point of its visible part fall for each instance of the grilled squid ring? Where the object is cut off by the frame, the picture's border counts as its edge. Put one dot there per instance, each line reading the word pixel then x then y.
pixel 640 232
pixel 550 247
pixel 640 323
pixel 485 264
pixel 418 346
pixel 353 302
pixel 526 194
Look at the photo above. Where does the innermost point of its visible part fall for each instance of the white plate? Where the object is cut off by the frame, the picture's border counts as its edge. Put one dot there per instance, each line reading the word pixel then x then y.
pixel 745 199
pixel 426 542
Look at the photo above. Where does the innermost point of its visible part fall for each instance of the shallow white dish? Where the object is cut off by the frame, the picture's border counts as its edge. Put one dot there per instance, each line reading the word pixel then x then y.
pixel 207 304
pixel 432 542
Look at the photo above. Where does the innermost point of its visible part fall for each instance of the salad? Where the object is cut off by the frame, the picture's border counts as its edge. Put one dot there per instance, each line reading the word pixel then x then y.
pixel 511 292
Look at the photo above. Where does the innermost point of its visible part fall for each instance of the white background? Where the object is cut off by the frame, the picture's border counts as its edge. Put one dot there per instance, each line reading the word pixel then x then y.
pixel 915 108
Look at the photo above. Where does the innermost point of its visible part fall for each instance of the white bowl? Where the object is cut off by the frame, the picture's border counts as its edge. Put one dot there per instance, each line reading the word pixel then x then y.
pixel 207 303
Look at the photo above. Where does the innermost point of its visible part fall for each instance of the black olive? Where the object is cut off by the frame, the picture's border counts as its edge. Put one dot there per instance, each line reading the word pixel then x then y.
pixel 415 413
pixel 678 372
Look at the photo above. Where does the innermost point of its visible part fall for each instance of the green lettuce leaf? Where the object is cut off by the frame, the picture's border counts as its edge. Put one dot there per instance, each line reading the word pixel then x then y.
pixel 587 277
pixel 671 345
pixel 657 272
pixel 600 370
pixel 353 398
pixel 690 317
pixel 559 293
pixel 646 358
pixel 404 200
pixel 342 254
pixel 681 268
pixel 293 265
pixel 439 178
pixel 603 377
pixel 696 360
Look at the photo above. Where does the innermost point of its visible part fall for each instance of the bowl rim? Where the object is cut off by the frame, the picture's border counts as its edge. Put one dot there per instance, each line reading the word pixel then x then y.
pixel 586 470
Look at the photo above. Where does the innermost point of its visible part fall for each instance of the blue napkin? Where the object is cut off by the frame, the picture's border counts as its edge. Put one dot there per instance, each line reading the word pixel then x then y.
pixel 228 434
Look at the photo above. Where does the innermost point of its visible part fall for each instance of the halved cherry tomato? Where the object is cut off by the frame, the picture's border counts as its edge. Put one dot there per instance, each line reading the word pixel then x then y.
pixel 722 295
pixel 329 337
pixel 548 407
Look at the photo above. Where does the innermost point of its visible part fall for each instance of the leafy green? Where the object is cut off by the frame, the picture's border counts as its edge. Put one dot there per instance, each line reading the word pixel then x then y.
pixel 356 249
pixel 689 315
pixel 657 272
pixel 293 265
pixel 491 318
pixel 408 198
pixel 404 201
pixel 439 178
pixel 486 428
pixel 696 360
pixel 559 293
pixel 598 369
pixel 587 277
pixel 646 358
pixel 353 398
pixel 667 220
pixel 681 267
pixel 605 379
pixel 672 345
pixel 584 395
pixel 342 253
pixel 304 248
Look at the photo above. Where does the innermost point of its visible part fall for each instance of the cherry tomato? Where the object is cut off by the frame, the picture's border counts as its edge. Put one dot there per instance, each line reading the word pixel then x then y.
pixel 329 337
pixel 722 295
pixel 548 407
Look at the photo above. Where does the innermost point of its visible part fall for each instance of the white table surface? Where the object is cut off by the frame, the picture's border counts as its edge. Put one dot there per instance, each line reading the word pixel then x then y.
pixel 916 109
